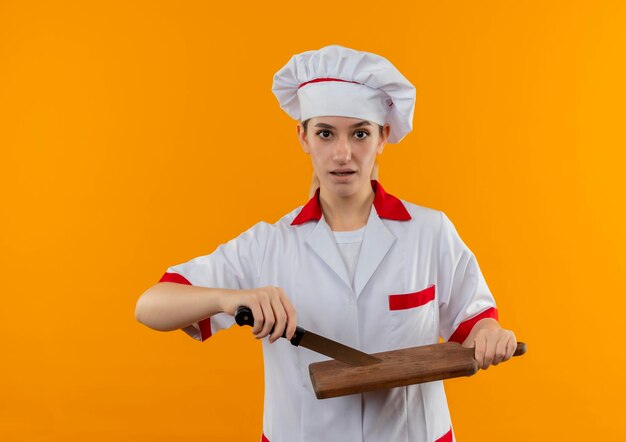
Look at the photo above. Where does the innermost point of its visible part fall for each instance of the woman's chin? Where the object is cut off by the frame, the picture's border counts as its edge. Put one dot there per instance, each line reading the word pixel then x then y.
pixel 344 188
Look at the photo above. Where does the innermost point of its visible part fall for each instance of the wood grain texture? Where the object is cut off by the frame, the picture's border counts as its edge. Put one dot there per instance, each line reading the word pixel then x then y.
pixel 398 368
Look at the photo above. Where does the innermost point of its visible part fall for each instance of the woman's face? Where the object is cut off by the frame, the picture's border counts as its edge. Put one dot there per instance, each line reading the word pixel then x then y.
pixel 343 151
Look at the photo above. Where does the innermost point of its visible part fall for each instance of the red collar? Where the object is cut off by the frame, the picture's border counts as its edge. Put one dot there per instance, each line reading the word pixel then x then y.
pixel 387 206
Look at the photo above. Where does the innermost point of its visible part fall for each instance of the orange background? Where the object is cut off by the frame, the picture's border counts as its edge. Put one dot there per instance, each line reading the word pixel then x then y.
pixel 138 135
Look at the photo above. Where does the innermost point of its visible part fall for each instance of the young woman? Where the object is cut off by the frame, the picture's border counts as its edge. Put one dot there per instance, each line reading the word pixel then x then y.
pixel 354 264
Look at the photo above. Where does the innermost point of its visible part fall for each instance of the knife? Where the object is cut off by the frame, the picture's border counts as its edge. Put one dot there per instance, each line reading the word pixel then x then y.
pixel 317 343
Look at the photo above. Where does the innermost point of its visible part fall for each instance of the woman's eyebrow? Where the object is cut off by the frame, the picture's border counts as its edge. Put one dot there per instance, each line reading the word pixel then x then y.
pixel 359 124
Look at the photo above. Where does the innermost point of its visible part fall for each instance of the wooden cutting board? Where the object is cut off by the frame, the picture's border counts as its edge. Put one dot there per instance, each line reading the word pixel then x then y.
pixel 398 368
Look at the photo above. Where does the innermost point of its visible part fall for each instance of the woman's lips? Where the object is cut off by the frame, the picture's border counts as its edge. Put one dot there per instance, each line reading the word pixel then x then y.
pixel 343 177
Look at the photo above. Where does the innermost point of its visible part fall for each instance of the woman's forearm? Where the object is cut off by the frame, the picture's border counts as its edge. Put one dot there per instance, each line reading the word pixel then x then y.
pixel 169 306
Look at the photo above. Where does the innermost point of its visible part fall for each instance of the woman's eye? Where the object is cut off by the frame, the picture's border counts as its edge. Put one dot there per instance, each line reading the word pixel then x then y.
pixel 361 134
pixel 325 134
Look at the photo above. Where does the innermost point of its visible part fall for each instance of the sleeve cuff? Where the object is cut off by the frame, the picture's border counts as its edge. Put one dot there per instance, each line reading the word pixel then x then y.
pixel 465 327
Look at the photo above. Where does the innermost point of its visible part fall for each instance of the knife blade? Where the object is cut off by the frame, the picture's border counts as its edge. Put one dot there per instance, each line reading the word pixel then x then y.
pixel 317 343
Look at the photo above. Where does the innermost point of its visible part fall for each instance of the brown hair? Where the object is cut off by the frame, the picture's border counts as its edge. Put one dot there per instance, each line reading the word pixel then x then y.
pixel 315 182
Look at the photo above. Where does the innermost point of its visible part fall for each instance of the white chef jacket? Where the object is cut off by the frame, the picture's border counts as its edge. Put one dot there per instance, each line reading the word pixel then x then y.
pixel 415 281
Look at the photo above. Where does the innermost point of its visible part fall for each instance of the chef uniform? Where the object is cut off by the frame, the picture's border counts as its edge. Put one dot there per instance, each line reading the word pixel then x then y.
pixel 403 280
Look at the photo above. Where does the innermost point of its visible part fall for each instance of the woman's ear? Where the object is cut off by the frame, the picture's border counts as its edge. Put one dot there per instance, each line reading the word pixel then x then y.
pixel 383 138
pixel 302 138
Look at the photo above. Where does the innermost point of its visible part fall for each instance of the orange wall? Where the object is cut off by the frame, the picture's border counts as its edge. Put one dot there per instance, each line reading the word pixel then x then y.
pixel 138 135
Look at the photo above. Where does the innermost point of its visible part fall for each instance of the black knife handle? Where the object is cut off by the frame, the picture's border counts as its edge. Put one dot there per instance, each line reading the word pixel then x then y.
pixel 244 316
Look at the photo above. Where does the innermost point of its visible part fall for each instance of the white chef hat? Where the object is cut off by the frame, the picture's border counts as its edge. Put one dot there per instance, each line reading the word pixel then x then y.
pixel 339 81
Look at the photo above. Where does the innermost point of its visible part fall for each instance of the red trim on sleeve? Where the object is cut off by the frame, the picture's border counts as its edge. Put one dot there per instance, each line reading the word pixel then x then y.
pixel 264 439
pixel 387 206
pixel 174 277
pixel 465 327
pixel 409 300
pixel 205 328
pixel 446 437
pixel 204 324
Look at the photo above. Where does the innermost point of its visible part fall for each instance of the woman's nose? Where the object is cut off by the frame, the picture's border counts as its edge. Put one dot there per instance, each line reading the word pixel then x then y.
pixel 342 152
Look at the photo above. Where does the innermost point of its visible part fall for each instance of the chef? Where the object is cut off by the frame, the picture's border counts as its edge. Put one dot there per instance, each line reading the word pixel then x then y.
pixel 354 264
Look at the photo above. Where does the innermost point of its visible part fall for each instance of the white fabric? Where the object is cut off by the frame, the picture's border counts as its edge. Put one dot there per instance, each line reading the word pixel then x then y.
pixel 387 96
pixel 397 257
pixel 349 243
pixel 343 99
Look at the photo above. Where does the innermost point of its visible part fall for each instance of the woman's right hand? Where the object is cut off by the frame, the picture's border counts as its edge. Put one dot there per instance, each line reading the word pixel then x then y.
pixel 270 307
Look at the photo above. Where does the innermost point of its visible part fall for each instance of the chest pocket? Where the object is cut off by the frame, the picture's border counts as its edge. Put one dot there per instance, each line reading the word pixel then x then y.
pixel 413 317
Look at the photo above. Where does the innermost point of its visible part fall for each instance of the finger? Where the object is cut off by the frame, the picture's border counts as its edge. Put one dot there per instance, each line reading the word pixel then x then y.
pixel 511 347
pixel 268 318
pixel 257 313
pixel 479 350
pixel 291 314
pixel 501 349
pixel 490 350
pixel 280 317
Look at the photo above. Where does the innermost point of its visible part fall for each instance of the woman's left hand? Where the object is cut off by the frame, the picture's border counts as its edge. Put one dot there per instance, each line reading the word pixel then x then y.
pixel 492 343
